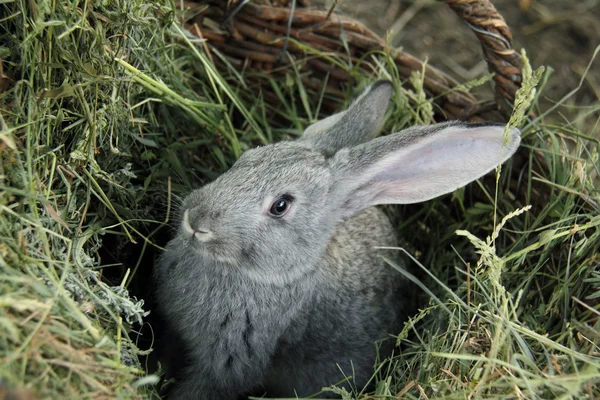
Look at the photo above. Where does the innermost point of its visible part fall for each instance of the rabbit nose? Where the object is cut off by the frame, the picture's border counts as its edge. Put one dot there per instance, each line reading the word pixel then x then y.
pixel 198 232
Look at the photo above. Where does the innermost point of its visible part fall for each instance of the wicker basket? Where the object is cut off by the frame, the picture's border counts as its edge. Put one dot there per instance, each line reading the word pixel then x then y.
pixel 251 36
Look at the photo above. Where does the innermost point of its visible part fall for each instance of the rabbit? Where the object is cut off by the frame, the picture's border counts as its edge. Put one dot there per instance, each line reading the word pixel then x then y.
pixel 274 281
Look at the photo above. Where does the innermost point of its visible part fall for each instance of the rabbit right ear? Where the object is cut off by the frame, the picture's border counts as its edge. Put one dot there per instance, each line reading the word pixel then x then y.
pixel 417 164
pixel 358 124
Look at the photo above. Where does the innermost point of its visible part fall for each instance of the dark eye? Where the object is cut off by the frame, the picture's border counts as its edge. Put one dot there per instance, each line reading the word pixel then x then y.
pixel 280 206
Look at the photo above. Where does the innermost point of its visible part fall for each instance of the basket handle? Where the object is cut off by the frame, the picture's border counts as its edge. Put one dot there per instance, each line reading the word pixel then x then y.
pixel 496 41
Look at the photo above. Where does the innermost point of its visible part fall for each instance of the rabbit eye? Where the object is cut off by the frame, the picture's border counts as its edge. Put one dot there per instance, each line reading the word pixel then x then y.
pixel 281 206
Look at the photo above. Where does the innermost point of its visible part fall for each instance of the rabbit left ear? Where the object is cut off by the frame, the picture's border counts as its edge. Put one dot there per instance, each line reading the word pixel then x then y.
pixel 418 164
pixel 358 124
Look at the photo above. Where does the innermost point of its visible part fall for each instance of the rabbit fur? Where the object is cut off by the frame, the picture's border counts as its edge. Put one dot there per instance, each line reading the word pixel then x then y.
pixel 285 305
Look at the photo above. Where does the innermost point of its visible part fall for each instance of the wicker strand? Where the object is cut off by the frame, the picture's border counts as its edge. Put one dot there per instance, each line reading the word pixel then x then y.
pixel 496 40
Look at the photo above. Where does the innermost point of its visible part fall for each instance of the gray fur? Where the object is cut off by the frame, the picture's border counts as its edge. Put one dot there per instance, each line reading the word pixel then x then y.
pixel 284 305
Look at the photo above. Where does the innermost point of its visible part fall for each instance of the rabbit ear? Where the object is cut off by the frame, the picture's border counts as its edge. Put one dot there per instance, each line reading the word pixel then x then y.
pixel 418 164
pixel 358 124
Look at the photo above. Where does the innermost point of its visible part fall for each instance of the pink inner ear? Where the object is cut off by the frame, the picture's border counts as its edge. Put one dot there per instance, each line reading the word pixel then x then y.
pixel 409 165
pixel 437 165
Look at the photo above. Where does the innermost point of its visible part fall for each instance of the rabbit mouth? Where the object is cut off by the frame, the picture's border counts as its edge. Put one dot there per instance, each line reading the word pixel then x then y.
pixel 215 249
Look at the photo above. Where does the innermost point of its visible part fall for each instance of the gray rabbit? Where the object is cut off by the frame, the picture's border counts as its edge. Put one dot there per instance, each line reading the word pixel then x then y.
pixel 274 282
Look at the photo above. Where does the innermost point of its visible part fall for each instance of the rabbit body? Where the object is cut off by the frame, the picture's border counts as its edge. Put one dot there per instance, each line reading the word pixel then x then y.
pixel 274 283
pixel 245 336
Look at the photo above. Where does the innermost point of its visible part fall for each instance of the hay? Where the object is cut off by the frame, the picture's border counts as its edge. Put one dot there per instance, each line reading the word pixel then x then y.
pixel 72 141
pixel 111 110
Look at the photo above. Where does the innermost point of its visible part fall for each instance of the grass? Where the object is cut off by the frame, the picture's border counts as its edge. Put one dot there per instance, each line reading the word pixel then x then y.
pixel 112 112
pixel 520 319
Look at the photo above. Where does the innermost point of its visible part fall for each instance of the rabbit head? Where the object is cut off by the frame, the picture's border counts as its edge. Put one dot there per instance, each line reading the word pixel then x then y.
pixel 272 215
